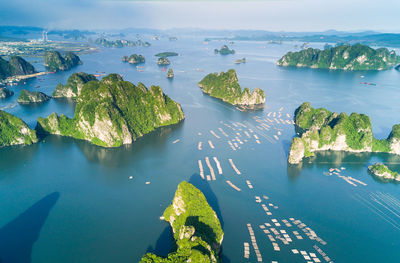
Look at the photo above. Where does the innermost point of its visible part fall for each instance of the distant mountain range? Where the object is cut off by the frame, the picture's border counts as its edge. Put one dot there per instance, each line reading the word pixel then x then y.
pixel 372 38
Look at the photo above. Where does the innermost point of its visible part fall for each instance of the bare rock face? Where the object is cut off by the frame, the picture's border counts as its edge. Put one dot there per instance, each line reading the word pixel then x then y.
pixel 5 93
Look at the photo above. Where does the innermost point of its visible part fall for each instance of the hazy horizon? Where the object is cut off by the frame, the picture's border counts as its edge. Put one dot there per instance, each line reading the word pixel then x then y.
pixel 268 15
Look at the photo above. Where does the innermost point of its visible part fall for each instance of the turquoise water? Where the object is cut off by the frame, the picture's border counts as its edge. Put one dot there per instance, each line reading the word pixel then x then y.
pixel 64 200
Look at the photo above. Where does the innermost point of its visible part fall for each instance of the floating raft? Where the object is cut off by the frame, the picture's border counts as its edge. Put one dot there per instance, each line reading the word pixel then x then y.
pixel 211 144
pixel 231 145
pixel 218 165
pixel 233 186
pixel 246 247
pixel 234 167
pixel 357 181
pixel 201 169
pixel 223 132
pixel 213 133
pixel 254 242
pixel 211 169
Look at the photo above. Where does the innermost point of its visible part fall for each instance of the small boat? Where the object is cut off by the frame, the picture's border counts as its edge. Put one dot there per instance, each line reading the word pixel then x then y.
pixel 368 83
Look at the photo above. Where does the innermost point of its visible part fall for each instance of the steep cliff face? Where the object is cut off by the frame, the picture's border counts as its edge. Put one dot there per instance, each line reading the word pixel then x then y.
pixel 321 130
pixel 54 61
pixel 346 57
pixel 15 66
pixel 74 85
pixel 14 131
pixel 27 96
pixel 197 230
pixel 5 93
pixel 225 86
pixel 20 66
pixel 113 112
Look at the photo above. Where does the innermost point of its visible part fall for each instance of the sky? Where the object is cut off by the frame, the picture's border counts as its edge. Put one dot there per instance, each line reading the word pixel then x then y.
pixel 273 15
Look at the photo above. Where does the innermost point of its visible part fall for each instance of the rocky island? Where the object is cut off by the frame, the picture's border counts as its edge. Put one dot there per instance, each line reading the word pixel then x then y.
pixel 5 93
pixel 224 50
pixel 382 172
pixel 170 73
pixel 196 227
pixel 240 61
pixel 74 85
pixel 134 59
pixel 119 43
pixel 54 61
pixel 14 131
pixel 345 57
pixel 15 66
pixel 27 96
pixel 321 130
pixel 166 54
pixel 225 86
pixel 163 61
pixel 113 112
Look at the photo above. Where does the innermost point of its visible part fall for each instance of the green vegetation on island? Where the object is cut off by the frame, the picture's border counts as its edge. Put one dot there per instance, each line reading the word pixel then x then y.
pixel 196 227
pixel 14 131
pixel 74 85
pixel 121 43
pixel 54 61
pixel 163 61
pixel 113 112
pixel 320 130
pixel 345 57
pixel 27 96
pixel 225 86
pixel 134 59
pixel 15 66
pixel 170 73
pixel 166 54
pixel 382 172
pixel 5 93
pixel 224 50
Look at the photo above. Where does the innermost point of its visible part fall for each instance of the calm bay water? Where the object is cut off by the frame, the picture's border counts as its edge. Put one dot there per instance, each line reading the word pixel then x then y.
pixel 92 212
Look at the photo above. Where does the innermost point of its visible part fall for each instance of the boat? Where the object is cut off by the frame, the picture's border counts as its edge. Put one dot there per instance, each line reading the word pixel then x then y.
pixel 368 83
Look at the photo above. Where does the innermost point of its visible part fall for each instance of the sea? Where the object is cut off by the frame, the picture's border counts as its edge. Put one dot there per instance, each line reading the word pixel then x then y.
pixel 66 200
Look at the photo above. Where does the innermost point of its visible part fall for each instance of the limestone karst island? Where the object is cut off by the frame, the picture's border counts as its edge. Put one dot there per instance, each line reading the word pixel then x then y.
pixel 225 86
pixel 113 112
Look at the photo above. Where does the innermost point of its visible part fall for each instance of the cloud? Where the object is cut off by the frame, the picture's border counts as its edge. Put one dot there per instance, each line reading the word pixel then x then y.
pixel 289 15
